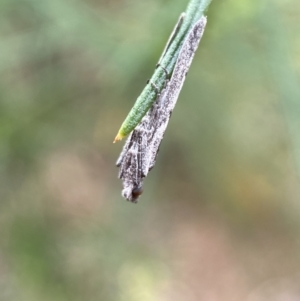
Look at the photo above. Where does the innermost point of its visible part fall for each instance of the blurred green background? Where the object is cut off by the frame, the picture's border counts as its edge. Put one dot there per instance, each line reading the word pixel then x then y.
pixel 219 217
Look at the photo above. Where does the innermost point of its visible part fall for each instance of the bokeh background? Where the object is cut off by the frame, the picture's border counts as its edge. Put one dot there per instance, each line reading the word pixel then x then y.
pixel 219 217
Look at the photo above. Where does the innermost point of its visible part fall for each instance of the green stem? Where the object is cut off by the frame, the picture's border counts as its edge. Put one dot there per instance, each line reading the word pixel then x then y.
pixel 194 11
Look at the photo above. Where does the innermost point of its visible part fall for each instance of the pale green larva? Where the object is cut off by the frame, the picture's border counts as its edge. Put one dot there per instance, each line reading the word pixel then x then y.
pixel 165 66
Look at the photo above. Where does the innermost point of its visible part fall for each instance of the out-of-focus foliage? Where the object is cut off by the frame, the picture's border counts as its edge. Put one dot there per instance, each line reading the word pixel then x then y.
pixel 219 216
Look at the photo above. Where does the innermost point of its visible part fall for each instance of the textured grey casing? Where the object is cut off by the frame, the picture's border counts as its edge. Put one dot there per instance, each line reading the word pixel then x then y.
pixel 140 150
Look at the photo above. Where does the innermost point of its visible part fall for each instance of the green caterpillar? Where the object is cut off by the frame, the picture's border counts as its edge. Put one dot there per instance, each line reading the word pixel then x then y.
pixel 165 66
